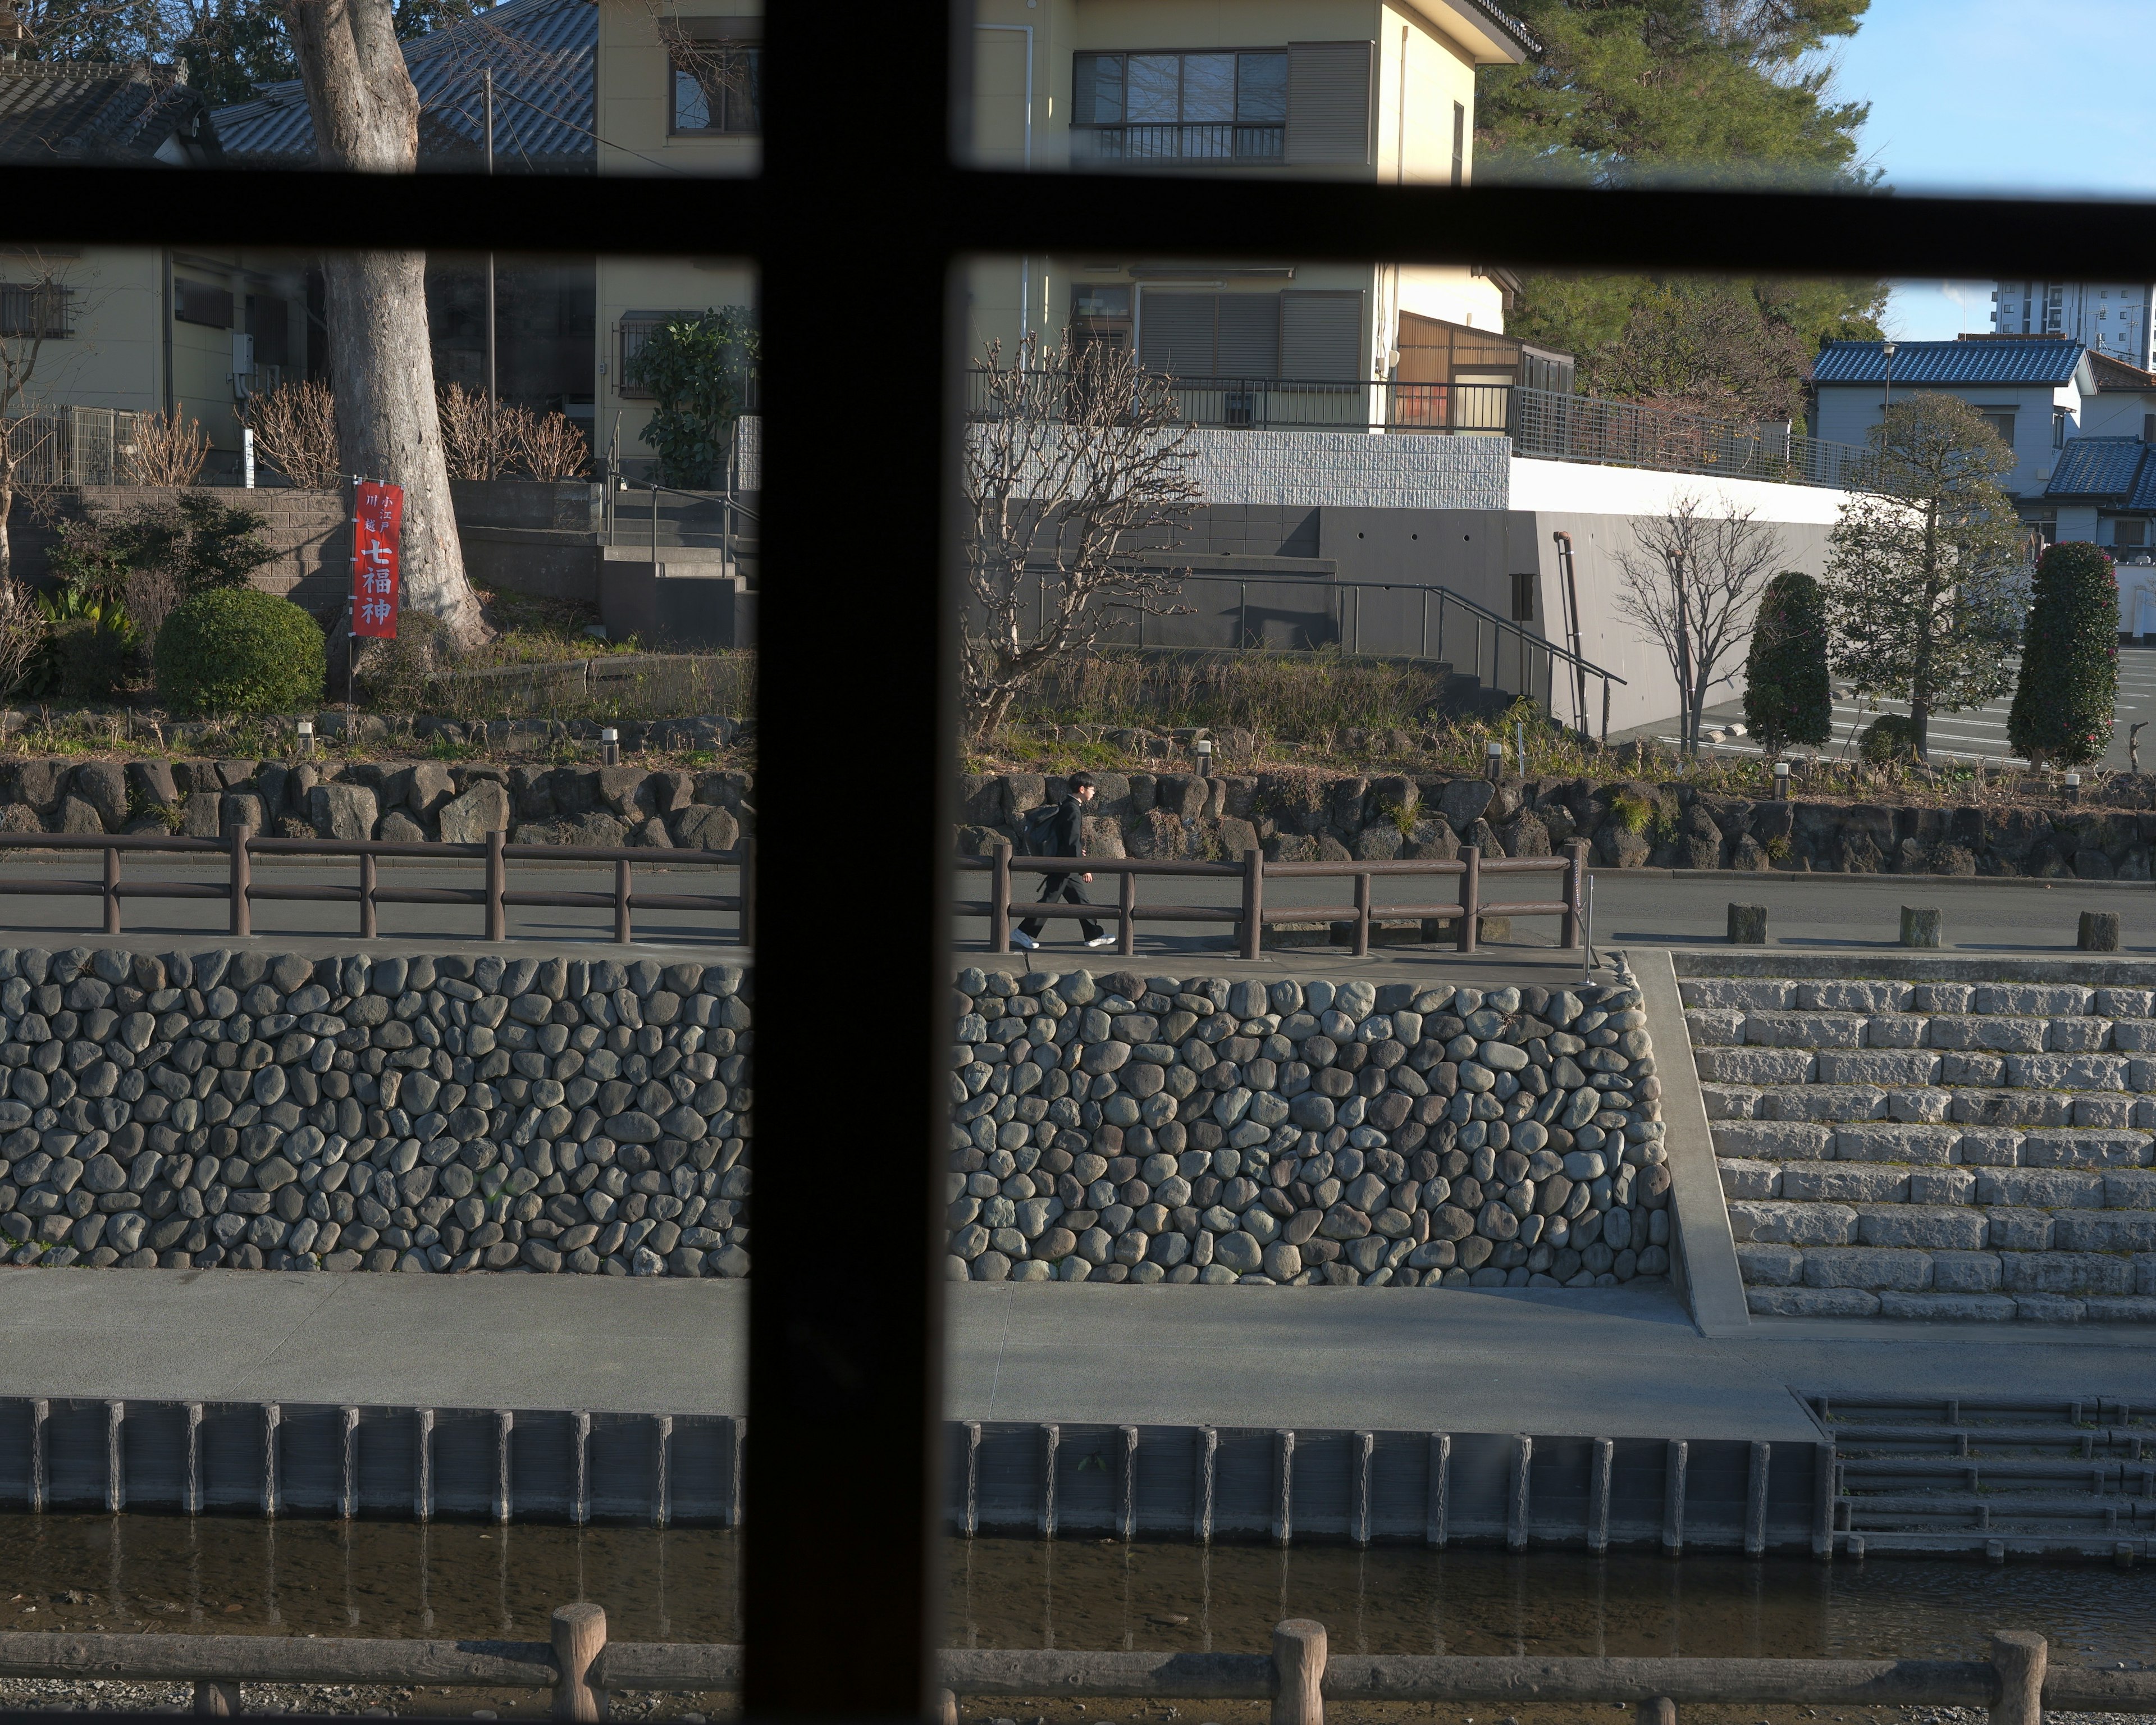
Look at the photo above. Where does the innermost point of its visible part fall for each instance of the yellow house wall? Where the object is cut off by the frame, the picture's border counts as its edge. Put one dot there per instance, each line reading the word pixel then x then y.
pixel 635 99
pixel 643 285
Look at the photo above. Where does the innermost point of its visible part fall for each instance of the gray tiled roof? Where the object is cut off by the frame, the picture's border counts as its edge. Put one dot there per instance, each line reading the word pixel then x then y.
pixel 64 111
pixel 2037 360
pixel 2100 468
pixel 542 53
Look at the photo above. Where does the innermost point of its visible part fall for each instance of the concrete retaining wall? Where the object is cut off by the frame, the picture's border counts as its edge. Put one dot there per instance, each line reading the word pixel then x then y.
pixel 264 1111
pixel 1191 1129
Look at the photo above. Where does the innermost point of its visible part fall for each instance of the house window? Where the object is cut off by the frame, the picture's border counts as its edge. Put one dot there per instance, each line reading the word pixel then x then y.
pixel 2058 428
pixel 2133 532
pixel 2001 420
pixel 1523 597
pixel 717 86
pixel 36 311
pixel 1230 106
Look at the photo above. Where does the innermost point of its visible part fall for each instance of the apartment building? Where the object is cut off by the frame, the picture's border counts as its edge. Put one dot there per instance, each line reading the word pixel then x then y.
pixel 2111 318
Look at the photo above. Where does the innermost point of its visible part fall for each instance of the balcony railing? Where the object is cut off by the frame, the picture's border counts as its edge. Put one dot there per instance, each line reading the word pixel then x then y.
pixel 1544 425
pixel 1206 140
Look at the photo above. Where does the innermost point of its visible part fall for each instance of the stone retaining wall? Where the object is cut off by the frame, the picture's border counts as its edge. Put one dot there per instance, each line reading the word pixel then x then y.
pixel 409 803
pixel 265 1111
pixel 1300 818
pixel 1122 1128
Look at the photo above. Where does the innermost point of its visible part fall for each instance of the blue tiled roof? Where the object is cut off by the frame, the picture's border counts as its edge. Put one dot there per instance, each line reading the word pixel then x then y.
pixel 2144 487
pixel 2103 467
pixel 2030 361
pixel 541 52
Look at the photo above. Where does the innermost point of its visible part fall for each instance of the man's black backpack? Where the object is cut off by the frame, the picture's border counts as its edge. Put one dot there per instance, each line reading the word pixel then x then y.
pixel 1036 830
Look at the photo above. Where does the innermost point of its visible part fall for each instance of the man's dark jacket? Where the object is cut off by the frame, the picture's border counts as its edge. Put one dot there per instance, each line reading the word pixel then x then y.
pixel 1066 833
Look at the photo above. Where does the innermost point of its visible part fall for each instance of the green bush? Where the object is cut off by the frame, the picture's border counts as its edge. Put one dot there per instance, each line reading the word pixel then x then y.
pixel 1786 696
pixel 89 647
pixel 2062 709
pixel 1890 736
pixel 236 650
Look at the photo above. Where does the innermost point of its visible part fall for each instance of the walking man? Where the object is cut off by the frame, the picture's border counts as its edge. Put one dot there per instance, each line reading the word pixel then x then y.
pixel 1066 836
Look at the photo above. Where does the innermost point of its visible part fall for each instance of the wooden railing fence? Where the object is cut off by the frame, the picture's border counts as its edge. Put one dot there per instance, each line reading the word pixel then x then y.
pixel 581 1667
pixel 1465 910
pixel 240 849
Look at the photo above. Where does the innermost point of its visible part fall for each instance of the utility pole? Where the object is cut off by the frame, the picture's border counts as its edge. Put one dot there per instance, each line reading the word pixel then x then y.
pixel 487 89
pixel 1885 401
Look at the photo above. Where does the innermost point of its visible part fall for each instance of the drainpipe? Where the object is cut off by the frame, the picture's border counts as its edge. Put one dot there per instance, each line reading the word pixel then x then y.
pixel 165 259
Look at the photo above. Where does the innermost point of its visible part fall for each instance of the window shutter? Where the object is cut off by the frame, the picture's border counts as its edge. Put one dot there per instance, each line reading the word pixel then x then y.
pixel 1322 337
pixel 1328 102
pixel 1175 334
pixel 1250 327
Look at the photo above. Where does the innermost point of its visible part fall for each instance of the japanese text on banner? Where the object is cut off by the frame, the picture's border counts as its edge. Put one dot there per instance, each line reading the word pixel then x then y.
pixel 377 532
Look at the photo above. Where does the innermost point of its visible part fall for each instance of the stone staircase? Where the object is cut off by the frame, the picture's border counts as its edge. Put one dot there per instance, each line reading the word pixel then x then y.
pixel 1933 1149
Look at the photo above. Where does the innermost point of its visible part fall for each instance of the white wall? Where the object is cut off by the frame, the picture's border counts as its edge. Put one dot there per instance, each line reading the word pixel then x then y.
pixel 1582 488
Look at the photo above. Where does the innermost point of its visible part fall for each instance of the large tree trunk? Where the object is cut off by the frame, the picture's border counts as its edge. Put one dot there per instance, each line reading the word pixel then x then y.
pixel 366 118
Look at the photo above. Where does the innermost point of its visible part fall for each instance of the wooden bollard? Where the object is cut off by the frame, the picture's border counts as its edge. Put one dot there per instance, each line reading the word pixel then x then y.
pixel 947 1707
pixel 218 1700
pixel 579 1639
pixel 2018 1657
pixel 1299 1660
pixel 1658 1710
pixel 1922 926
pixel 2099 932
pixel 1748 924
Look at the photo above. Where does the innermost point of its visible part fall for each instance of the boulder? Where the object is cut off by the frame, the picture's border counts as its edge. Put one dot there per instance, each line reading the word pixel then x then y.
pixel 701 827
pixel 427 785
pixel 399 828
pixel 149 782
pixel 103 785
pixel 1464 800
pixel 616 789
pixel 202 818
pixel 342 811
pixel 38 782
pixel 1381 842
pixel 482 809
pixel 530 789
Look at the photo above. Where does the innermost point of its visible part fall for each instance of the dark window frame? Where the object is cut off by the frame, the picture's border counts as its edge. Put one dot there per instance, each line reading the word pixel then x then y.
pixel 844 1514
pixel 36 311
pixel 729 91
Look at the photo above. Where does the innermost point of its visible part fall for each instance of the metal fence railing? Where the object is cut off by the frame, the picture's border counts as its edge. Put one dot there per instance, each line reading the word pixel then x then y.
pixel 71 446
pixel 1178 140
pixel 1543 424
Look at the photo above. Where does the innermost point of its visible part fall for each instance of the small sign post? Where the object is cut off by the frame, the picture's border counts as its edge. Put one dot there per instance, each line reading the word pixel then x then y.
pixel 377 532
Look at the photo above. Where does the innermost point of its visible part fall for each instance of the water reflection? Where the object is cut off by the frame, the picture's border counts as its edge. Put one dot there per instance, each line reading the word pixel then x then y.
pixel 236 1576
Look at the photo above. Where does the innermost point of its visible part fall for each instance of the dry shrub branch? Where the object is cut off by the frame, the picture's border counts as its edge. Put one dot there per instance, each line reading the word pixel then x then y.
pixel 168 449
pixel 294 427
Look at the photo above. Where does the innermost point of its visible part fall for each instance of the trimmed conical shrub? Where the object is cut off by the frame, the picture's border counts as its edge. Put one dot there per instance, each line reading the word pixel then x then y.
pixel 2062 709
pixel 1787 697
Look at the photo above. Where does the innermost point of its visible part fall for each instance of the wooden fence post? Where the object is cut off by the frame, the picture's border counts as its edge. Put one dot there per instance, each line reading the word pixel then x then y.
pixel 1658 1710
pixel 1254 902
pixel 1575 889
pixel 1126 904
pixel 621 885
pixel 1470 896
pixel 1299 1663
pixel 219 1701
pixel 999 897
pixel 112 888
pixel 367 917
pixel 2018 1657
pixel 243 912
pixel 579 1639
pixel 748 889
pixel 497 883
pixel 1363 915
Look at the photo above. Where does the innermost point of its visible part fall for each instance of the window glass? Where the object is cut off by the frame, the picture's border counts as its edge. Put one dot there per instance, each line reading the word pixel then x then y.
pixel 692 108
pixel 1097 90
pixel 1155 83
pixel 1262 87
pixel 1209 87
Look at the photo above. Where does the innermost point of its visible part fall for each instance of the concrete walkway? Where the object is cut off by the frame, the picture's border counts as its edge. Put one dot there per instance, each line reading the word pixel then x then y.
pixel 1611 1362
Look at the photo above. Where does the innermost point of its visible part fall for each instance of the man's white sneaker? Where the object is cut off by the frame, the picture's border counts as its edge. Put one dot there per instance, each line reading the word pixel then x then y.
pixel 1023 942
pixel 1104 940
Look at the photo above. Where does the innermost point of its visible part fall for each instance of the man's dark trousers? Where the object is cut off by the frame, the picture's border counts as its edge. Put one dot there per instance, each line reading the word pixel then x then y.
pixel 1072 891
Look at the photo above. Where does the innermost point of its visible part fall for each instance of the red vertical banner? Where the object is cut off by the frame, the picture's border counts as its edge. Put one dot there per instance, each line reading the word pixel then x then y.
pixel 377 530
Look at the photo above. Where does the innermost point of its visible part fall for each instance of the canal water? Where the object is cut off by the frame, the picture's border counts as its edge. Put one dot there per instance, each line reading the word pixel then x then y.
pixel 209 1574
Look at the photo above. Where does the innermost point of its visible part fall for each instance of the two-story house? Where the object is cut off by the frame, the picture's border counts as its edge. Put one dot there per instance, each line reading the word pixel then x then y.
pixel 2030 389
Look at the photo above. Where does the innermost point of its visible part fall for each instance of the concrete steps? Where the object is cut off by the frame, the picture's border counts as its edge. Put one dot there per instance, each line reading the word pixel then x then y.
pixel 1934 1149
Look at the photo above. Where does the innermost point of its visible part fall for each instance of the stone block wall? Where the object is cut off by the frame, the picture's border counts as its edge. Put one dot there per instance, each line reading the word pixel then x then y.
pixel 1943 1149
pixel 1147 1129
pixel 270 1110
pixel 410 803
pixel 1302 817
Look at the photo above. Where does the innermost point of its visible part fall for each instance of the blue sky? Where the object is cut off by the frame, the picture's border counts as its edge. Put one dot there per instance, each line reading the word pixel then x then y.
pixel 2001 95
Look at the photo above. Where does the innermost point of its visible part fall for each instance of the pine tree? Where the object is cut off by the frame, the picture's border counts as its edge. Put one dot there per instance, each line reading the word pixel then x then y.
pixel 2062 709
pixel 1786 696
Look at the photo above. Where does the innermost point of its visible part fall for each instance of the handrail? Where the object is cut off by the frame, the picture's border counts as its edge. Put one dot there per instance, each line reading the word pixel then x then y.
pixel 240 846
pixel 1466 913
pixel 2016 1684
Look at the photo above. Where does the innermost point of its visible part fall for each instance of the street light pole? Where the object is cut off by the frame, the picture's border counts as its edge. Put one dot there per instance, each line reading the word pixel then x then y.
pixel 486 85
pixel 1887 400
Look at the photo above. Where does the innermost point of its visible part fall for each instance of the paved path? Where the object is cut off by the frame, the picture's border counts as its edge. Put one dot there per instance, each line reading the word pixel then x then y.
pixel 1609 1363
pixel 1979 733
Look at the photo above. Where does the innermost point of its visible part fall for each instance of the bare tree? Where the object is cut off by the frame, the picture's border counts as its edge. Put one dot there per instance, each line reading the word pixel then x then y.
pixel 165 450
pixel 1692 586
pixel 482 435
pixel 294 427
pixel 34 311
pixel 365 115
pixel 1076 464
pixel 552 448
